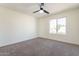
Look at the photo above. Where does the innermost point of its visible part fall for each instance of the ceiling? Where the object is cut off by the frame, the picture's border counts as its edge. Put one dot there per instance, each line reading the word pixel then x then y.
pixel 29 8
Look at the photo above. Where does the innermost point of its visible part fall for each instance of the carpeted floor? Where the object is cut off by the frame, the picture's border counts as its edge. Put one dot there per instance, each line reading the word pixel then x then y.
pixel 40 47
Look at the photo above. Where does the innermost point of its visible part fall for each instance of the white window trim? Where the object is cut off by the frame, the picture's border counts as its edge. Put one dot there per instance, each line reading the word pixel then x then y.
pixel 57 26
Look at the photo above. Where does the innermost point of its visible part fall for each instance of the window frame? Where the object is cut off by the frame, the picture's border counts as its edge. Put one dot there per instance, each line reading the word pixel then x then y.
pixel 57 25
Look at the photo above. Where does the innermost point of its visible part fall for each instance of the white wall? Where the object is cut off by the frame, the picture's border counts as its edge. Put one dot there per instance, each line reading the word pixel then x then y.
pixel 16 27
pixel 72 35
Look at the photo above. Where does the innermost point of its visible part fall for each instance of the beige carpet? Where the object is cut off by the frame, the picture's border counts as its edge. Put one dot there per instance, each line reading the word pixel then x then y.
pixel 40 47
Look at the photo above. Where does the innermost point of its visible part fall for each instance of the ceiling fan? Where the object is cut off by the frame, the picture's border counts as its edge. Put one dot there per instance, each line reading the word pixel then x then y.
pixel 41 10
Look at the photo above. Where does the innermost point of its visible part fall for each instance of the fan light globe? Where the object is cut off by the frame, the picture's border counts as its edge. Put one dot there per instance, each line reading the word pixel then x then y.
pixel 41 11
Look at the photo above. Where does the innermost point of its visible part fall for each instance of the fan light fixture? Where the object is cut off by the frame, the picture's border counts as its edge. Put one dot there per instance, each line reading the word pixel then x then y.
pixel 41 11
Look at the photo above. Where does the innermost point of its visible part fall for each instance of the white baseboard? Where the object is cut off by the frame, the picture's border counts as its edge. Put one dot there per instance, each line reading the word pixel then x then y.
pixel 60 40
pixel 17 41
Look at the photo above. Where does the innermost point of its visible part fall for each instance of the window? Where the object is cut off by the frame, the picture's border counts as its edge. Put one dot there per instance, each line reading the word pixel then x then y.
pixel 53 26
pixel 57 26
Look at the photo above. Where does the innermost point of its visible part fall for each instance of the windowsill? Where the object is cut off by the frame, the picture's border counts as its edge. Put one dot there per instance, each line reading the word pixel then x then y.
pixel 56 34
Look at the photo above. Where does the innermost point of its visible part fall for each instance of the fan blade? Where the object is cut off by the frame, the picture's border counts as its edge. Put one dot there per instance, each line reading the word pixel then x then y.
pixel 36 11
pixel 46 11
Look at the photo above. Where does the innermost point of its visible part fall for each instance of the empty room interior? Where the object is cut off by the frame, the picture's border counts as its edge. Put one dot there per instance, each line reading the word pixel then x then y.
pixel 39 29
